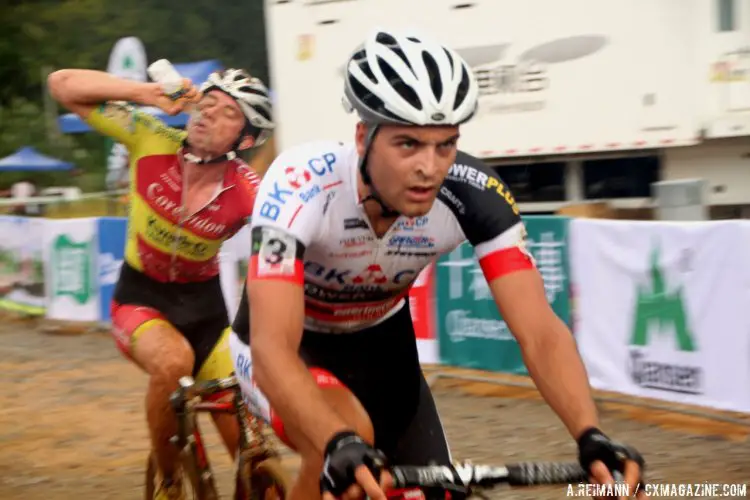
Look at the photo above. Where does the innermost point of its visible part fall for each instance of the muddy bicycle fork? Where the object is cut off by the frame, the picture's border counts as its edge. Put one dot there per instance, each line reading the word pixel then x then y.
pixel 187 402
pixel 188 440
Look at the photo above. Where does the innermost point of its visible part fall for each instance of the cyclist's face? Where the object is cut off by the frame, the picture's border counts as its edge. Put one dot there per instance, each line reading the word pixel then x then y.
pixel 408 164
pixel 216 123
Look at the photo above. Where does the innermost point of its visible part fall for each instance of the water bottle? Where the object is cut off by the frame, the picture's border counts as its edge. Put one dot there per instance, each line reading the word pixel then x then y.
pixel 163 72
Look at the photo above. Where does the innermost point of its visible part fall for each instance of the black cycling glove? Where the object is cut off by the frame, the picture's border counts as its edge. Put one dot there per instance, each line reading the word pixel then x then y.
pixel 594 445
pixel 345 452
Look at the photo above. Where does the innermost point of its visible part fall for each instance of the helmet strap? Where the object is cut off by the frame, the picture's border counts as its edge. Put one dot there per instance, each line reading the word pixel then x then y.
pixel 386 211
pixel 228 156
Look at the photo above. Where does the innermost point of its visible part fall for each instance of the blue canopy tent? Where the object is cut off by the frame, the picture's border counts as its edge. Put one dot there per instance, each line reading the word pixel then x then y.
pixel 28 159
pixel 197 72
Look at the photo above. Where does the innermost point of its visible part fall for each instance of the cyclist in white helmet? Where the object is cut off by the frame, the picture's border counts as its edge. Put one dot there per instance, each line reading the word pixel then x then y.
pixel 189 192
pixel 326 350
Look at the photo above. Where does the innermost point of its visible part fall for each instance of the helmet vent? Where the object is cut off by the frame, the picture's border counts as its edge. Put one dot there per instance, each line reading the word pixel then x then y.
pixel 404 90
pixel 432 70
pixel 463 88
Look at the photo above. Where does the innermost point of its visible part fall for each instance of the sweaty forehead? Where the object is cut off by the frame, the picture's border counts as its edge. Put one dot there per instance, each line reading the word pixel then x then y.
pixel 222 99
pixel 421 134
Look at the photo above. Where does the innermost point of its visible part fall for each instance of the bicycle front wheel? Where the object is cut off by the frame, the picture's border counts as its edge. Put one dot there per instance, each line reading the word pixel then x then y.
pixel 194 488
pixel 267 480
pixel 150 485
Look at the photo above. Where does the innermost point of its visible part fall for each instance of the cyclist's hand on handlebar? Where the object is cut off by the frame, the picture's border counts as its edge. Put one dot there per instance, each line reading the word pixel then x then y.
pixel 602 457
pixel 352 469
pixel 356 492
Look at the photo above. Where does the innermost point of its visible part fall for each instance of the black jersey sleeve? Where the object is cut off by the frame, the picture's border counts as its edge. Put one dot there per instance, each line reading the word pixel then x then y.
pixel 488 215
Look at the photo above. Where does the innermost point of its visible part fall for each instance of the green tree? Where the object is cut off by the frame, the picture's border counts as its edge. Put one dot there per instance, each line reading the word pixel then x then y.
pixel 54 34
pixel 81 34
pixel 22 123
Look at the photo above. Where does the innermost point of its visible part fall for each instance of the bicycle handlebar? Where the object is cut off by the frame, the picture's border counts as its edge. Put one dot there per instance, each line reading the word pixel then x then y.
pixel 461 478
pixel 476 477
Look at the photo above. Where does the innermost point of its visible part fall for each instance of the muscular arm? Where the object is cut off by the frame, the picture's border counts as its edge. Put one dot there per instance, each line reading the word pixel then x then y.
pixel 548 348
pixel 80 90
pixel 488 215
pixel 276 323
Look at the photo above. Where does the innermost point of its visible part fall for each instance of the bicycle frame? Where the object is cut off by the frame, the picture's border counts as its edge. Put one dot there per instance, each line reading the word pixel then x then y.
pixel 187 402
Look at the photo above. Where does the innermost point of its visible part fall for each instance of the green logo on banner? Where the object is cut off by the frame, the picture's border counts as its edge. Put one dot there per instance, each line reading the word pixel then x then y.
pixel 71 268
pixel 657 307
pixel 661 310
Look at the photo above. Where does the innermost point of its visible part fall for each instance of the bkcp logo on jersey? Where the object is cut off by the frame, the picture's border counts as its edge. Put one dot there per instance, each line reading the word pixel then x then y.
pixel 481 181
pixel 296 177
pixel 371 275
pixel 244 365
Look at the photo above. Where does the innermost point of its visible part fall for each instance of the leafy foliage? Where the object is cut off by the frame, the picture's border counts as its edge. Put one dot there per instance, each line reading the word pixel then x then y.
pixel 44 35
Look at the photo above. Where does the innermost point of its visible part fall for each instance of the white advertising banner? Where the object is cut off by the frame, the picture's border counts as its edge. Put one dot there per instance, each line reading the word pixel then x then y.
pixel 21 265
pixel 555 77
pixel 70 253
pixel 662 309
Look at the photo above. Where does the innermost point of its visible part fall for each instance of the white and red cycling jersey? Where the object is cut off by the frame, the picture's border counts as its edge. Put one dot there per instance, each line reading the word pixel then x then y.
pixel 309 227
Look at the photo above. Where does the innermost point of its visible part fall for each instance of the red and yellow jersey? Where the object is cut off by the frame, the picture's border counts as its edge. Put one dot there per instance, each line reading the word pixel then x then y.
pixel 160 243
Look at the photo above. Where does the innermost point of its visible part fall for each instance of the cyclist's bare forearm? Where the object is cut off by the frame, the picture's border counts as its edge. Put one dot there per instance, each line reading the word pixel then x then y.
pixel 80 90
pixel 277 311
pixel 548 348
pixel 293 393
pixel 553 362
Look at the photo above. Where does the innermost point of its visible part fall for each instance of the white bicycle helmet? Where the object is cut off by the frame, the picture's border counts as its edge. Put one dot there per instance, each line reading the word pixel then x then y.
pixel 251 95
pixel 402 79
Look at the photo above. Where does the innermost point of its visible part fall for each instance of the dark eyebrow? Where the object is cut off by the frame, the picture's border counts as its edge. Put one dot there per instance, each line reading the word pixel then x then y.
pixel 407 137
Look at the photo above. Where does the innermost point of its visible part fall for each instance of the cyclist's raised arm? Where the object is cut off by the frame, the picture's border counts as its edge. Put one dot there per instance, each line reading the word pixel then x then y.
pixel 283 225
pixel 102 100
pixel 82 90
pixel 493 225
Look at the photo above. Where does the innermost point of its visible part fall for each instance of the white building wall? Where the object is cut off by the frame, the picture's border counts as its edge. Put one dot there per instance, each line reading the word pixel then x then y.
pixel 583 76
pixel 725 163
pixel 722 74
pixel 666 65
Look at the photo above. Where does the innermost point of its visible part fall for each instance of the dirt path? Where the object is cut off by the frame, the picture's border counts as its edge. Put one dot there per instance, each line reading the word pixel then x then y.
pixel 72 426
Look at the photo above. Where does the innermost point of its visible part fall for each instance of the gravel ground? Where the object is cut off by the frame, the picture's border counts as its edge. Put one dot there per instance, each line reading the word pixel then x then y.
pixel 72 426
